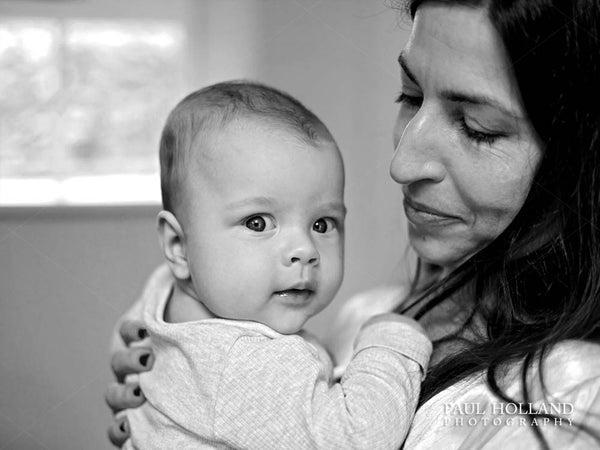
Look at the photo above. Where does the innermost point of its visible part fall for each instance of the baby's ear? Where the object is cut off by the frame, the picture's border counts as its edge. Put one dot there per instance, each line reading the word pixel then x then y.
pixel 170 235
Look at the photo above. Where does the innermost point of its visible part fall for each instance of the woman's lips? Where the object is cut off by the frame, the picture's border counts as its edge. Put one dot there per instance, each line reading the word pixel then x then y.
pixel 420 214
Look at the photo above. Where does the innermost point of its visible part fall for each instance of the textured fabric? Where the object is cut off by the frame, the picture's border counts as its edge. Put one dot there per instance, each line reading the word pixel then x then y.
pixel 469 416
pixel 237 384
pixel 571 375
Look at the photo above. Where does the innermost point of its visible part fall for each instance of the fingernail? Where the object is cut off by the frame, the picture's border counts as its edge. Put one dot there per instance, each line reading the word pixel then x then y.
pixel 142 333
pixel 137 391
pixel 144 359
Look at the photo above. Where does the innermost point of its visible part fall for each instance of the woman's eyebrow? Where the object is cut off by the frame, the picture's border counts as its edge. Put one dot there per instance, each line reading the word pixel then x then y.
pixel 461 97
pixel 479 100
pixel 405 68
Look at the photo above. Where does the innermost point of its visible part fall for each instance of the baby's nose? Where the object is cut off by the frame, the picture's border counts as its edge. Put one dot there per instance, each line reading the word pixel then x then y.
pixel 302 251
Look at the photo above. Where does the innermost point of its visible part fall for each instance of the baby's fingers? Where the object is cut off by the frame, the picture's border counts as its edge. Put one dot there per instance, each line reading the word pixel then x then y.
pixel 124 396
pixel 118 432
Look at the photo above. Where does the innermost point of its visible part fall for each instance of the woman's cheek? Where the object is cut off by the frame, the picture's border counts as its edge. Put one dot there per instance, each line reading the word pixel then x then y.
pixel 495 205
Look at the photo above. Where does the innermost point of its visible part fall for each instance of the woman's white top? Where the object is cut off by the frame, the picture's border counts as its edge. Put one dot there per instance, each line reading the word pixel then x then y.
pixel 468 415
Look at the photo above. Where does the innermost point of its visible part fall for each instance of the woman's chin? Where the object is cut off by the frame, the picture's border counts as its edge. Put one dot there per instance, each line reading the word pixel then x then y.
pixel 445 253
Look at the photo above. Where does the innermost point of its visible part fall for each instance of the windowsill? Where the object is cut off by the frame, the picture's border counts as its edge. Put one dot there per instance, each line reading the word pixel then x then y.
pixel 79 211
pixel 90 191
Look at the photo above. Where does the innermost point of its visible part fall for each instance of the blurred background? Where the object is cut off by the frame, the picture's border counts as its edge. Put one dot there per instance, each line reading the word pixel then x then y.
pixel 86 86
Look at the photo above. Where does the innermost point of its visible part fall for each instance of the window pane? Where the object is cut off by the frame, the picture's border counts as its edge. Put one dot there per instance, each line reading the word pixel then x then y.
pixel 84 98
pixel 30 80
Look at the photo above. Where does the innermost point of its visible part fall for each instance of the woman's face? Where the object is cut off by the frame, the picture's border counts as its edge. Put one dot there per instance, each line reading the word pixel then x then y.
pixel 465 152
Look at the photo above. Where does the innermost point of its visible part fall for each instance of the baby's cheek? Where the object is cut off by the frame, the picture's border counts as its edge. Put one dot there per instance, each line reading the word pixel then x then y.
pixel 333 272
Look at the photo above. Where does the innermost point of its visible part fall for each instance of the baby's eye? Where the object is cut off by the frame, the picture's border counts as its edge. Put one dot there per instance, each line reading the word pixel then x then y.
pixel 259 223
pixel 324 224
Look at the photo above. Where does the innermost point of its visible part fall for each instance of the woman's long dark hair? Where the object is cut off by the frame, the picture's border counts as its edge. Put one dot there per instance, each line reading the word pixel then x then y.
pixel 543 271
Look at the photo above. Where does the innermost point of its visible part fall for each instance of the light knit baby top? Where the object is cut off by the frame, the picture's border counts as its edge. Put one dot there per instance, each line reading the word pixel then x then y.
pixel 238 384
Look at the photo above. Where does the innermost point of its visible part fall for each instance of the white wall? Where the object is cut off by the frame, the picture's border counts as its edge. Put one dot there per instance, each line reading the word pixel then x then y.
pixel 67 274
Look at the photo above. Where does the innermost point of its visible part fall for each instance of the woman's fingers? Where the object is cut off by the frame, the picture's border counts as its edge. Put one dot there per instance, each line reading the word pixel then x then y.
pixel 124 396
pixel 118 432
pixel 131 361
pixel 132 330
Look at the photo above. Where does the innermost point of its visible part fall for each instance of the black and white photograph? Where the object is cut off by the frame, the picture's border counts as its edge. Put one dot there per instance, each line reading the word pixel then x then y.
pixel 299 224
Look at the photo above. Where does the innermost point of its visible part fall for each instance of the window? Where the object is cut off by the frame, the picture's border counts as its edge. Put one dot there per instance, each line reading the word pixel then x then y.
pixel 83 104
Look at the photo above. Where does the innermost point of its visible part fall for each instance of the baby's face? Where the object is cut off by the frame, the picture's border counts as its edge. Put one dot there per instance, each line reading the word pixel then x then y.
pixel 264 225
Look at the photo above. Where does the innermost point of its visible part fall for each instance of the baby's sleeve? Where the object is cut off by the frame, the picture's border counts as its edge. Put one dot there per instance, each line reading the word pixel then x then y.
pixel 277 393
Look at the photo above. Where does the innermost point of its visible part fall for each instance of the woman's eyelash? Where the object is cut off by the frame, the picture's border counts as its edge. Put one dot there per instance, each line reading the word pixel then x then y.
pixel 410 100
pixel 478 136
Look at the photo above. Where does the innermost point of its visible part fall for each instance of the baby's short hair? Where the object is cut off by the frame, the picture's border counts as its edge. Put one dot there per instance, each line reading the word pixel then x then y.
pixel 215 106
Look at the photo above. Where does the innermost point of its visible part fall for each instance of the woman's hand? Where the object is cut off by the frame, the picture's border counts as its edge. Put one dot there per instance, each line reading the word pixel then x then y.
pixel 130 355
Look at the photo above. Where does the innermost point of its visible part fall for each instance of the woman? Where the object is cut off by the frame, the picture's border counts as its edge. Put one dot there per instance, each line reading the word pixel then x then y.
pixel 497 152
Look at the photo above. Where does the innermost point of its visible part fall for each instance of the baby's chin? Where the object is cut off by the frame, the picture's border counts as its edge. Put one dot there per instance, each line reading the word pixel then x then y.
pixel 291 319
pixel 288 327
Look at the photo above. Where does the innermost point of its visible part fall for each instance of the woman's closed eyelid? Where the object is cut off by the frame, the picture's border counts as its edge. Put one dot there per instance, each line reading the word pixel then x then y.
pixel 492 125
pixel 478 136
pixel 485 123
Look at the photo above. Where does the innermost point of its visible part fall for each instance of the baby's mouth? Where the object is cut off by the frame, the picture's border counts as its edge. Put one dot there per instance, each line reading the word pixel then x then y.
pixel 290 292
pixel 295 295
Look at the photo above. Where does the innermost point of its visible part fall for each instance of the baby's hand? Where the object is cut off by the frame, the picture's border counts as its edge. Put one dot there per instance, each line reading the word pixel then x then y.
pixel 130 354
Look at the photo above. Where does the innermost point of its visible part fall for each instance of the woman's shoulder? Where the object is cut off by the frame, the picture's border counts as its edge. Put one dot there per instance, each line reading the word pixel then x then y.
pixel 573 350
pixel 571 364
pixel 357 309
pixel 382 298
pixel 568 367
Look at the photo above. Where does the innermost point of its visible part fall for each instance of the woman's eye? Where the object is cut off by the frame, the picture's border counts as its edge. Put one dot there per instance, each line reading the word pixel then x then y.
pixel 324 225
pixel 259 223
pixel 409 100
pixel 478 137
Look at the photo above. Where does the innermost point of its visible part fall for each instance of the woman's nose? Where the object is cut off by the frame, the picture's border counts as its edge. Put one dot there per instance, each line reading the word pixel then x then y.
pixel 301 249
pixel 417 156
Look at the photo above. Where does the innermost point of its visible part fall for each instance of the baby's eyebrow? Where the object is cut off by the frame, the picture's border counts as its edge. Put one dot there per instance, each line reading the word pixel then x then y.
pixel 337 207
pixel 252 201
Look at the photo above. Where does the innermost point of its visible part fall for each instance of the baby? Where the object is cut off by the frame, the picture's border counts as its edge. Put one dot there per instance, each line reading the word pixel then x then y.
pixel 253 233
